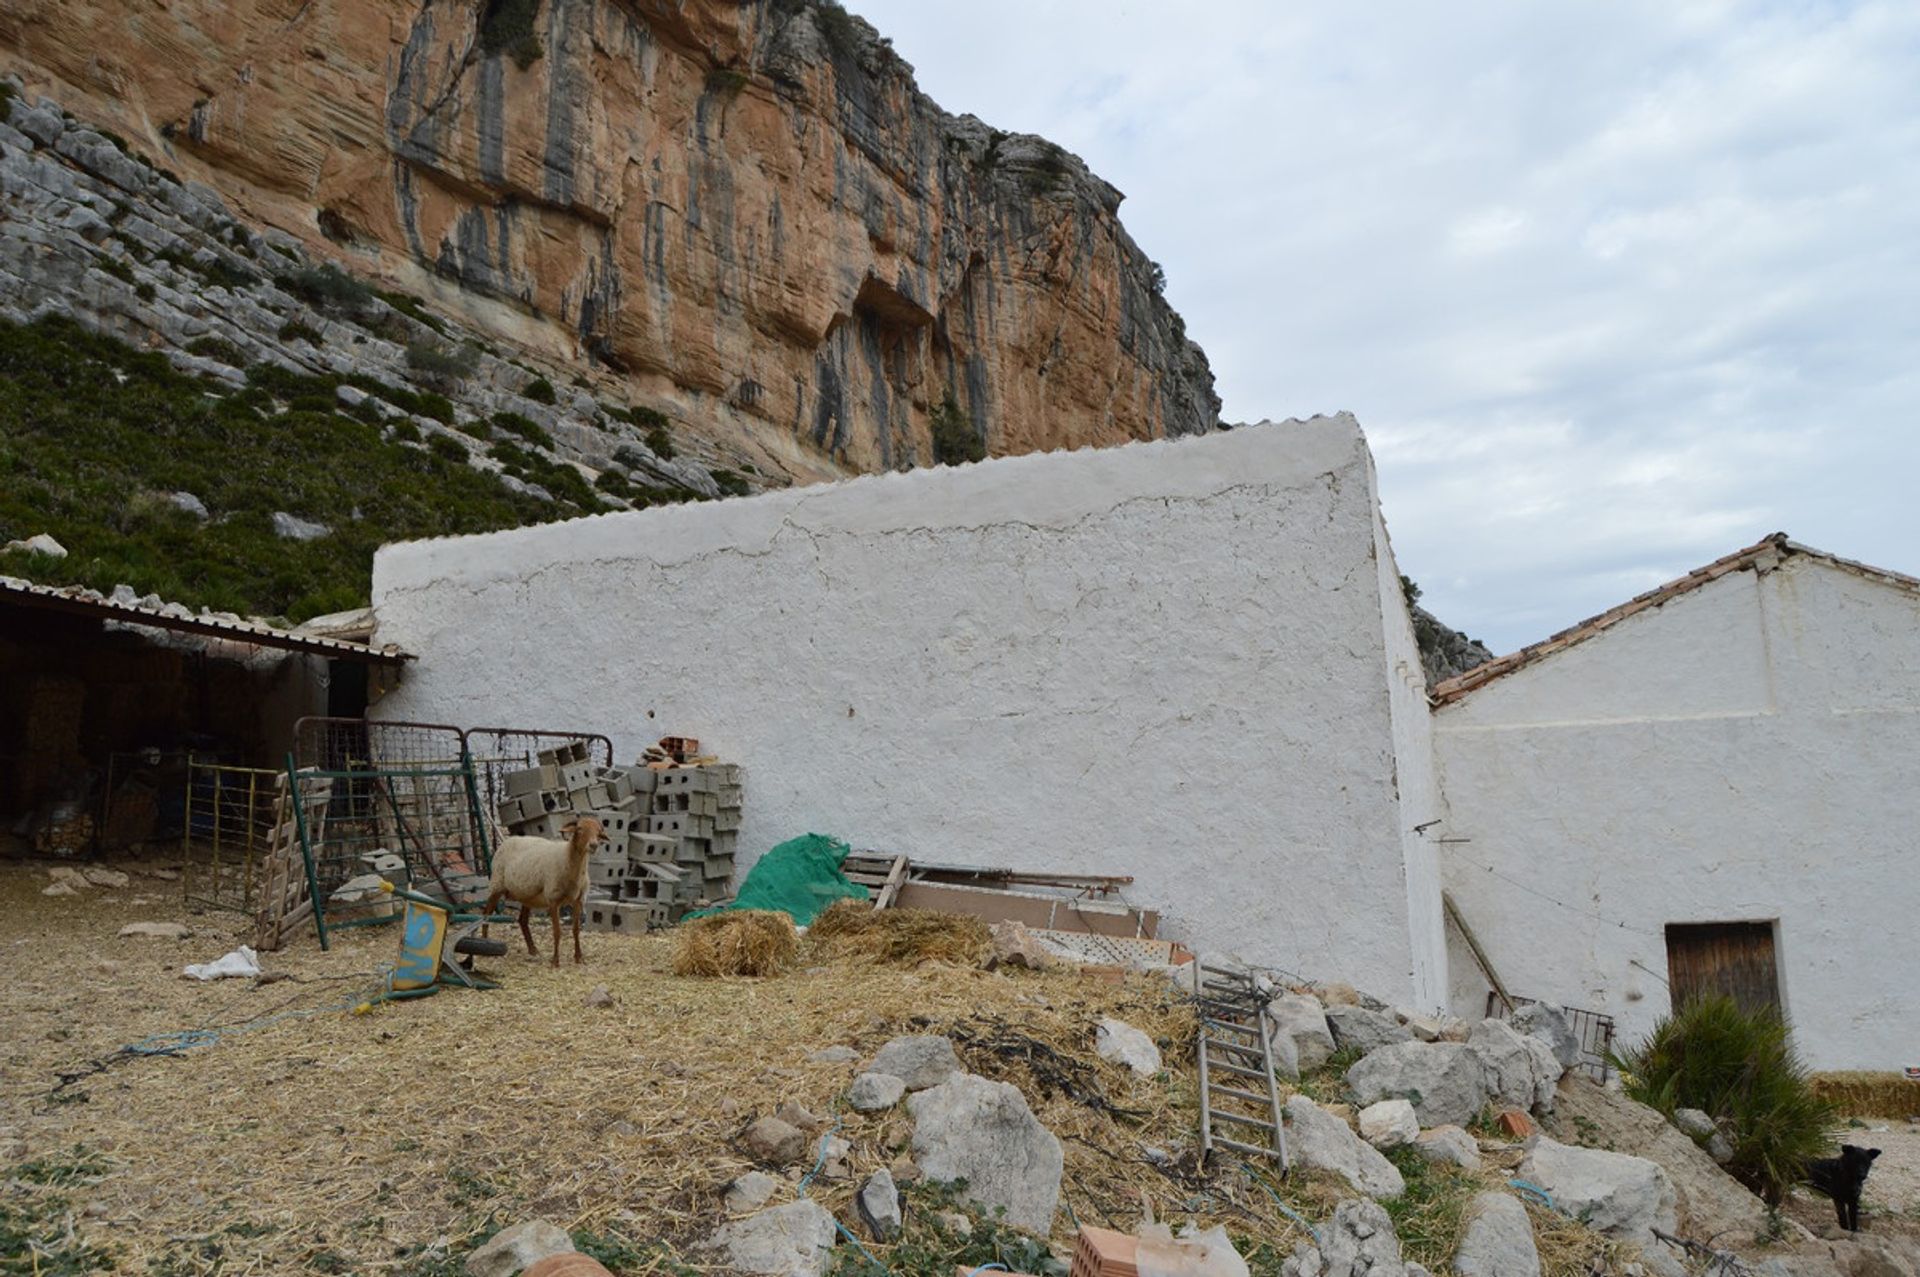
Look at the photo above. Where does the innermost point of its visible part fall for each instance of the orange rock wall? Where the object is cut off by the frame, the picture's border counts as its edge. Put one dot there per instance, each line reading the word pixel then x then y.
pixel 747 209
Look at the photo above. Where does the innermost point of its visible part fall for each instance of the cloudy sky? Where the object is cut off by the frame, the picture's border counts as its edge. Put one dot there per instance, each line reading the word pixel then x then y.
pixel 1614 288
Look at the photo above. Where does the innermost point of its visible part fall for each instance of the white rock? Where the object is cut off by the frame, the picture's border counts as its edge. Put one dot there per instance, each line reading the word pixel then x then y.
pixel 1319 1140
pixel 795 1239
pixel 879 1204
pixel 1449 1144
pixel 750 1192
pixel 1498 1241
pixel 874 1092
pixel 1355 1026
pixel 1120 1042
pixel 1623 1196
pixel 513 1250
pixel 920 1061
pixel 72 877
pixel 834 1055
pixel 1443 1080
pixel 156 930
pixel 59 889
pixel 1389 1124
pixel 100 877
pixel 1358 1241
pixel 40 543
pixel 971 1129
pixel 1694 1122
pixel 294 528
pixel 1549 1023
pixel 187 503
pixel 1520 1071
pixel 1303 1020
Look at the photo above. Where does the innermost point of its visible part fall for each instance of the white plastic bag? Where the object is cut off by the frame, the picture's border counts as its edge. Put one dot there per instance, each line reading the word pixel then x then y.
pixel 242 962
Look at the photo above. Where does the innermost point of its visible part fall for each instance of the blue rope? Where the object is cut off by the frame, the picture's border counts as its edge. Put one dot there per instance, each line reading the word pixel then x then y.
pixel 1538 1193
pixel 807 1179
pixel 1288 1211
pixel 184 1040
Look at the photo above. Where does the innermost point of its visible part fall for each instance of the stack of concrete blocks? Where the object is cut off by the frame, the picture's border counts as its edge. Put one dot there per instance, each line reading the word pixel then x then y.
pixel 698 807
pixel 563 785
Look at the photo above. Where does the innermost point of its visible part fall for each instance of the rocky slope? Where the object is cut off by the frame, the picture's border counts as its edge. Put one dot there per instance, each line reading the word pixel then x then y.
pixel 743 215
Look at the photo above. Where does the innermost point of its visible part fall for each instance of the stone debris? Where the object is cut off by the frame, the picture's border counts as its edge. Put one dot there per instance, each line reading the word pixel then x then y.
pixel 1301 1020
pixel 770 1140
pixel 1389 1124
pixel 1550 1024
pixel 1120 1042
pixel 1015 946
pixel 749 1192
pixel 834 1055
pixel 156 930
pixel 879 1204
pixel 1519 1069
pixel 1322 1141
pixel 1358 1241
pixel 293 528
pixel 101 877
pixel 59 889
pixel 39 543
pixel 514 1249
pixel 188 504
pixel 1623 1196
pixel 875 1092
pixel 1364 1030
pixel 1443 1080
pixel 921 1061
pixel 598 998
pixel 1449 1144
pixel 1498 1241
pixel 795 1240
pixel 968 1128
pixel 794 1115
pixel 954 1224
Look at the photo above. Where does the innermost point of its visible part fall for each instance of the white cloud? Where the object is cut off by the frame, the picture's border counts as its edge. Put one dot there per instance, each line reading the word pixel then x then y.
pixel 1615 288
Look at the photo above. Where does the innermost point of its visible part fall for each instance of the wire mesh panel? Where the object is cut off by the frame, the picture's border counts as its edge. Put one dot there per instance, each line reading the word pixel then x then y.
pixel 228 818
pixel 497 751
pixel 400 804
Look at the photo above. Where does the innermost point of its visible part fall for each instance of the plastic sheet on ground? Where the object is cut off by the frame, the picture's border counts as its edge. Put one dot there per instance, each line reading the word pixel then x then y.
pixel 242 962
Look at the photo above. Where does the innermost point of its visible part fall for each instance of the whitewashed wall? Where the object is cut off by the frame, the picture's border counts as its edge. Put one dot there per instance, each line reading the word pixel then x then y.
pixel 1166 659
pixel 1748 751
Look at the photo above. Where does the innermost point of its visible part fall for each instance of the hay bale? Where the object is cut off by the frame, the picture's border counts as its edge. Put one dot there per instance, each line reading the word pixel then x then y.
pixel 1867 1094
pixel 905 937
pixel 739 942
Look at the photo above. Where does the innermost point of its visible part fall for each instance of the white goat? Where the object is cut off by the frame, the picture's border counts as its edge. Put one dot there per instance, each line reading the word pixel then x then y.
pixel 546 873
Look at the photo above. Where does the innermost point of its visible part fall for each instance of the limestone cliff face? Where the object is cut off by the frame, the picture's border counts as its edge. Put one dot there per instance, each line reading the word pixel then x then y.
pixel 745 210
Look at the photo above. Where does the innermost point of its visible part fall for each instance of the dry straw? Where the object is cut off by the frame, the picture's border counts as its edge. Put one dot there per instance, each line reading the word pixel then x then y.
pixel 905 937
pixel 739 942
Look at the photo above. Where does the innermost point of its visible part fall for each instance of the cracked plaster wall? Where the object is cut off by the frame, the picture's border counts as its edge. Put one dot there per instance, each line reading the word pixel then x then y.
pixel 1744 752
pixel 1165 659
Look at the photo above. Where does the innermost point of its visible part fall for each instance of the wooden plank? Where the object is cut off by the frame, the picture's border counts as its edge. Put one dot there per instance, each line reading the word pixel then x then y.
pixel 891 889
pixel 1051 912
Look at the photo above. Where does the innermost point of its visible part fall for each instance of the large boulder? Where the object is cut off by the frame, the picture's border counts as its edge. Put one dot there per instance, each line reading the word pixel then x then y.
pixel 1299 1018
pixel 518 1248
pixel 1520 1071
pixel 971 1129
pixel 920 1061
pixel 1319 1140
pixel 794 1240
pixel 1356 1026
pixel 1120 1042
pixel 1623 1196
pixel 1498 1241
pixel 1550 1024
pixel 1712 1203
pixel 1443 1081
pixel 1358 1241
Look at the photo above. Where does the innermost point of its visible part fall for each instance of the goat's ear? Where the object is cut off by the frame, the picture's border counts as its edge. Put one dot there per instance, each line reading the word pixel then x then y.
pixel 570 826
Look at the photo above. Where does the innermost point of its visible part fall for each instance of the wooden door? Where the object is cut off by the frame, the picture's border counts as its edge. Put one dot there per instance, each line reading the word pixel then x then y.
pixel 1734 958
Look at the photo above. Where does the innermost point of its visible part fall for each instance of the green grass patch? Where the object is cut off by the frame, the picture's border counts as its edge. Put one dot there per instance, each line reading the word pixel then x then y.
pixel 1430 1216
pixel 927 1248
pixel 730 484
pixel 540 390
pixel 506 27
pixel 525 427
pixel 955 441
pixel 659 443
pixel 86 420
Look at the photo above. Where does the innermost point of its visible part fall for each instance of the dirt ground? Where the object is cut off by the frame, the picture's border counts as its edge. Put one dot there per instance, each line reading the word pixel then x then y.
pixel 1890 1203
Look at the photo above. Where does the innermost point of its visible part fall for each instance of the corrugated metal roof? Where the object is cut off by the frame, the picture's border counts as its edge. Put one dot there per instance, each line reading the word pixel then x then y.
pixel 78 600
pixel 1762 554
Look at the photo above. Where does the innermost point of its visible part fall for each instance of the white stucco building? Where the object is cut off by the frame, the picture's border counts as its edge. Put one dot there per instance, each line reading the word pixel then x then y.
pixel 1188 661
pixel 1715 785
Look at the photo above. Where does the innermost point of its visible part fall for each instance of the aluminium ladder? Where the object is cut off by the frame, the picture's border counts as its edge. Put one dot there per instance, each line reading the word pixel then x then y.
pixel 1234 1040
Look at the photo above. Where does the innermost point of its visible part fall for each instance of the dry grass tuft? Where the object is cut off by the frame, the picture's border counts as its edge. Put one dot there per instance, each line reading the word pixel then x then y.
pixel 1868 1094
pixel 854 929
pixel 743 942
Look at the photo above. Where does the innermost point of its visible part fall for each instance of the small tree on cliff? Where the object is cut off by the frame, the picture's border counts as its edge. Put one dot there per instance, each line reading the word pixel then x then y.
pixel 954 439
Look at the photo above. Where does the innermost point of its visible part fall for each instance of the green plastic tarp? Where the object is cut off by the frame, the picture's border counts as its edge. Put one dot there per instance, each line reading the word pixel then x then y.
pixel 799 878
